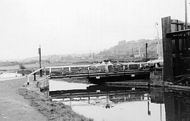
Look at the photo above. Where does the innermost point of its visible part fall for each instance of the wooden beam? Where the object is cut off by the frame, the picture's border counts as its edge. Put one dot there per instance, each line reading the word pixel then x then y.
pixel 171 34
pixel 167 50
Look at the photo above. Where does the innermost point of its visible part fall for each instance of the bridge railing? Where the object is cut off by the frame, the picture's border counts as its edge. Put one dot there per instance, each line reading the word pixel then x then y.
pixel 86 69
pixel 91 69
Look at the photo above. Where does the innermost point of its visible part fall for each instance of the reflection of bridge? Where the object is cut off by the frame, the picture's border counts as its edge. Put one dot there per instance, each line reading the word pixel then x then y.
pixel 102 95
pixel 82 93
pixel 97 92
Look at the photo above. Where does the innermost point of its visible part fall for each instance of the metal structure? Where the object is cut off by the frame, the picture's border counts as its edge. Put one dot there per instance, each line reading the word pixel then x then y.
pixel 176 50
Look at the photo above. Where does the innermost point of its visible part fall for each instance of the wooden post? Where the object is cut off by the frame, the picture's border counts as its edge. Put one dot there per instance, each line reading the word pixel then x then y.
pixel 40 63
pixel 186 14
pixel 34 76
pixel 28 80
pixel 167 50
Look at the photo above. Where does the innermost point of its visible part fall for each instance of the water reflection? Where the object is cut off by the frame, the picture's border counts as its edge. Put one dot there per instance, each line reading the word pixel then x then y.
pixel 177 106
pixel 125 103
pixel 108 94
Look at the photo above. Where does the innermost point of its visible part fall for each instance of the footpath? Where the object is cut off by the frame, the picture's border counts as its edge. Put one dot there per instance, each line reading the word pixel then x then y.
pixel 13 107
pixel 19 102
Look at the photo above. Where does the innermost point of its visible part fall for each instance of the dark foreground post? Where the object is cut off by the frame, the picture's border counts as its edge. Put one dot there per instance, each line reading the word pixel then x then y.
pixel 40 63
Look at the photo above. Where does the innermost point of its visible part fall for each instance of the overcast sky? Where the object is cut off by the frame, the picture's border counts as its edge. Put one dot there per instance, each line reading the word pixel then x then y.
pixel 78 26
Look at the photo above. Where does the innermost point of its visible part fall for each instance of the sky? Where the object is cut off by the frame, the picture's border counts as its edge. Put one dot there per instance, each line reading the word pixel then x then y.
pixel 79 26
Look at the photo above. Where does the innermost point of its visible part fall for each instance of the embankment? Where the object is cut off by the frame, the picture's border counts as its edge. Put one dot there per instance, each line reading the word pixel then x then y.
pixel 54 111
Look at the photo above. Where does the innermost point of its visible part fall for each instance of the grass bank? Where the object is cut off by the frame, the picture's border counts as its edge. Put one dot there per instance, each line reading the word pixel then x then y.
pixel 54 111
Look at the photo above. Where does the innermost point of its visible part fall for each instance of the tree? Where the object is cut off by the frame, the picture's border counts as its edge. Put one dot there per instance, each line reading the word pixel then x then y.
pixel 21 66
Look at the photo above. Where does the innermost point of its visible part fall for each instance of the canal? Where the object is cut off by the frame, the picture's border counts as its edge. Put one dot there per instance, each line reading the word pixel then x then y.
pixel 105 103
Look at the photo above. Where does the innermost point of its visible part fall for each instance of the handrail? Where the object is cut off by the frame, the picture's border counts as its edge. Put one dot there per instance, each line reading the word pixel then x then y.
pixel 36 71
pixel 67 66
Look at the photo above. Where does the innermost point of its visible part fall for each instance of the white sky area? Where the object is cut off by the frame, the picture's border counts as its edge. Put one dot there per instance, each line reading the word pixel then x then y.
pixel 78 26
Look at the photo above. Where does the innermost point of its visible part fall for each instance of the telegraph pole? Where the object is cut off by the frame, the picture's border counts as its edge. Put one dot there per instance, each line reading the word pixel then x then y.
pixel 40 61
pixel 146 46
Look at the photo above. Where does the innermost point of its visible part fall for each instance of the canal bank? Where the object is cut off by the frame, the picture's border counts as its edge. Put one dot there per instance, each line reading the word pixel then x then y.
pixel 35 92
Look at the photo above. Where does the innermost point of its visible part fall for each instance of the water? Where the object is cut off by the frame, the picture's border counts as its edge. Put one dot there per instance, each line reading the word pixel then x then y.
pixel 103 103
pixel 9 75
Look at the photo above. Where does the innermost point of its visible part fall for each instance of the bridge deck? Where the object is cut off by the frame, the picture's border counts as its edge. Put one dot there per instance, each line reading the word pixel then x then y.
pixel 109 74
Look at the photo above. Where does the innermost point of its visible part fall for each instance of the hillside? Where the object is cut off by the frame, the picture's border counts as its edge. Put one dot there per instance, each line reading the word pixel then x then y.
pixel 123 51
pixel 127 50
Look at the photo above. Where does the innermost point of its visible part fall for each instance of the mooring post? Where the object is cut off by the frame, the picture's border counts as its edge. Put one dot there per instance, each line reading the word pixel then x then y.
pixel 34 76
pixel 28 80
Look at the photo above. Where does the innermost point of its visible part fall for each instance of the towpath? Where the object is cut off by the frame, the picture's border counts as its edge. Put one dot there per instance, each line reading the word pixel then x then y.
pixel 13 107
